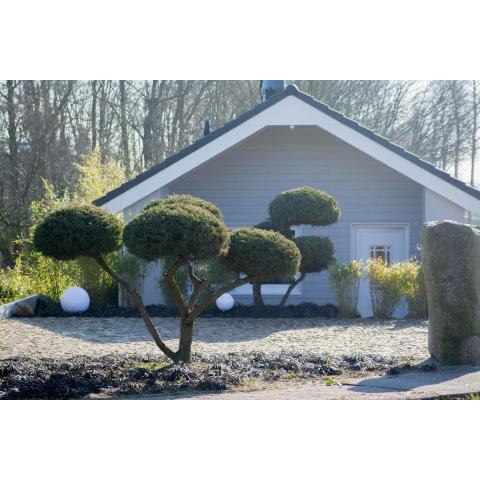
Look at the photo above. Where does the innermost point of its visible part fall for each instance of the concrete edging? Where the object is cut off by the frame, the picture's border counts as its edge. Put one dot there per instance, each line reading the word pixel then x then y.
pixel 8 310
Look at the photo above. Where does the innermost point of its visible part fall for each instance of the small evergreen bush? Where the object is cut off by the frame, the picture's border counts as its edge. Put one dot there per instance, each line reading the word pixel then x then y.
pixel 83 231
pixel 170 231
pixel 262 254
pixel 186 201
pixel 272 227
pixel 317 253
pixel 301 206
pixel 304 205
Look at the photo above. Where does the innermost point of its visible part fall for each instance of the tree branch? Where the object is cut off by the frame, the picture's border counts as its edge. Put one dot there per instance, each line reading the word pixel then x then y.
pixel 172 284
pixel 226 288
pixel 197 287
pixel 137 301
pixel 290 288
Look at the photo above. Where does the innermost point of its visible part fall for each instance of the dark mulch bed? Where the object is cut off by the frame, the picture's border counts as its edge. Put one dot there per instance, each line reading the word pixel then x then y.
pixel 26 378
pixel 48 308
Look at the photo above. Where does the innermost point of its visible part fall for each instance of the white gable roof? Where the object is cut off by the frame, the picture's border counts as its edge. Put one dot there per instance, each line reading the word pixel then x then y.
pixel 292 108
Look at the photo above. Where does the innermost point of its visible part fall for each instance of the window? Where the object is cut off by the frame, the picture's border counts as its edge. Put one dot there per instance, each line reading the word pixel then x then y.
pixel 380 251
pixel 276 288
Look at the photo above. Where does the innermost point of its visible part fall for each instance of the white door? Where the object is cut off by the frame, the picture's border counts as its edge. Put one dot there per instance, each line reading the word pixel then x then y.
pixel 390 243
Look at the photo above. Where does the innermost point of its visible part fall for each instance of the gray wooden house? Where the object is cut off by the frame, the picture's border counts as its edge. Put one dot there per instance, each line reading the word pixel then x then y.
pixel 289 140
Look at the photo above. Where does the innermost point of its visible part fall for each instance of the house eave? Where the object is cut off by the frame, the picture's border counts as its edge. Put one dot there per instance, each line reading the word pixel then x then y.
pixel 291 107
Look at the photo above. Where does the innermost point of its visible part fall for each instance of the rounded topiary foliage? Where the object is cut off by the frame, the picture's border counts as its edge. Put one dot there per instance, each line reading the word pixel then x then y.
pixel 272 227
pixel 317 253
pixel 83 231
pixel 186 201
pixel 175 231
pixel 262 254
pixel 304 206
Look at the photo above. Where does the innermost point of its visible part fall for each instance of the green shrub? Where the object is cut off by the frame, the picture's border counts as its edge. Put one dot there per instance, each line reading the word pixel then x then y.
pixel 388 283
pixel 304 205
pixel 35 273
pixel 187 201
pixel 48 277
pixel 101 287
pixel 83 231
pixel 317 253
pixel 169 231
pixel 417 296
pixel 272 227
pixel 262 254
pixel 345 281
pixel 13 285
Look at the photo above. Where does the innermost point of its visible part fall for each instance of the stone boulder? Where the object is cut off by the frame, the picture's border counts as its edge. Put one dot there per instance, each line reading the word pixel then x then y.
pixel 451 257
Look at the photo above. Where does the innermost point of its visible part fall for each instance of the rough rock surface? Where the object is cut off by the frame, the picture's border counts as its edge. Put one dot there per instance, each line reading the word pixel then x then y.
pixel 451 256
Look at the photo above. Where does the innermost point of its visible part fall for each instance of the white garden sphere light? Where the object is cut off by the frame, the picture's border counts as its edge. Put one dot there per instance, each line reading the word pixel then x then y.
pixel 75 300
pixel 225 302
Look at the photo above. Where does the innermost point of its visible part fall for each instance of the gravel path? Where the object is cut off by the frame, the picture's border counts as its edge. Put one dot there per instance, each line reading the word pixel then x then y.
pixel 65 337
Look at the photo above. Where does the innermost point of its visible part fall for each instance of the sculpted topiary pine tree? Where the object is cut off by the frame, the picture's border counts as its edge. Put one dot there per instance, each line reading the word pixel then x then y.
pixel 302 206
pixel 182 229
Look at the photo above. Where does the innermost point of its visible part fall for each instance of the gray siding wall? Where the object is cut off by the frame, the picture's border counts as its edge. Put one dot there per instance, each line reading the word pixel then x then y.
pixel 243 180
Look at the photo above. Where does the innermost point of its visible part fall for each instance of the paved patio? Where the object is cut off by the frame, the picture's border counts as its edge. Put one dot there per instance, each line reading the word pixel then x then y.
pixel 64 337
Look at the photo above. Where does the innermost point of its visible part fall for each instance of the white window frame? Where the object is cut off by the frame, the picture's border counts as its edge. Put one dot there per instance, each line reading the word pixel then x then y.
pixel 269 288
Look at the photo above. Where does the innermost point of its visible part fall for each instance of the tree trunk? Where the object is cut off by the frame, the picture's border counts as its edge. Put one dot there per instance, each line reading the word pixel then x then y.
pixel 184 353
pixel 12 136
pixel 475 108
pixel 102 119
pixel 123 124
pixel 94 114
pixel 290 289
pixel 257 294
pixel 187 314
pixel 148 124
